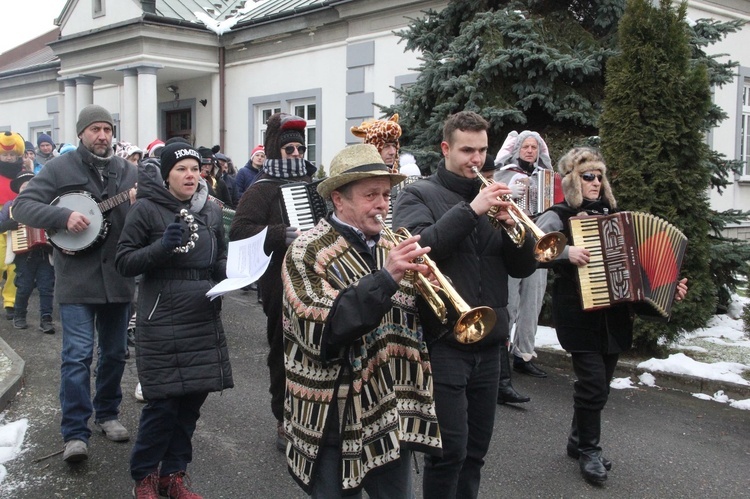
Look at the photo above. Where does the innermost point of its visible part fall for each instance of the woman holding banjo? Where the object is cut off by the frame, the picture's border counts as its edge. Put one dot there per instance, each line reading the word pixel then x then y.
pixel 174 237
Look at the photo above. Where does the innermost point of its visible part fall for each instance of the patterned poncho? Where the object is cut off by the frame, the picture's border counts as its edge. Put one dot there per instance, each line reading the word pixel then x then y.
pixel 384 397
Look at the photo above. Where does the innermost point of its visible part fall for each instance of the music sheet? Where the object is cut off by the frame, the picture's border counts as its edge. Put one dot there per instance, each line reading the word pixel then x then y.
pixel 246 262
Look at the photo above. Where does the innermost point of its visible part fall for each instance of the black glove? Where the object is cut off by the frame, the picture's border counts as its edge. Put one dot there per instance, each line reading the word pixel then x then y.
pixel 291 235
pixel 172 236
pixel 9 224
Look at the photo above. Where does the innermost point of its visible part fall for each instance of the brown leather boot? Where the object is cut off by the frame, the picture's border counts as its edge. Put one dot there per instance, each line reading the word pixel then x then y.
pixel 146 488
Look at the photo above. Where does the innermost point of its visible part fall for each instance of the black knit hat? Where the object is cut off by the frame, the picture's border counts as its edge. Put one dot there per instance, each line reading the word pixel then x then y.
pixel 21 178
pixel 173 153
pixel 92 114
pixel 282 129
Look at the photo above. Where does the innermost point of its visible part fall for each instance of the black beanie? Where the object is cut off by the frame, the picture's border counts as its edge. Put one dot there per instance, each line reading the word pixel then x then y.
pixel 283 128
pixel 172 153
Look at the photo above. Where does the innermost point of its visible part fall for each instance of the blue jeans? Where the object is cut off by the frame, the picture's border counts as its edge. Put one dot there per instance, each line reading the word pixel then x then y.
pixel 390 482
pixel 80 324
pixel 33 269
pixel 165 435
pixel 465 390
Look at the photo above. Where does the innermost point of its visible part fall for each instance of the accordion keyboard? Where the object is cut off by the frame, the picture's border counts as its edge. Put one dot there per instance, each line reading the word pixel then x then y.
pixel 592 277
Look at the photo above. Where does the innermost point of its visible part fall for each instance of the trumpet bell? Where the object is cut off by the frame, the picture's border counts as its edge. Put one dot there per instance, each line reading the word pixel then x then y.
pixel 549 246
pixel 474 324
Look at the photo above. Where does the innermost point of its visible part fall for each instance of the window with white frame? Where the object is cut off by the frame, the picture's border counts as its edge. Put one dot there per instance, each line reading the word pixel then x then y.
pixel 265 112
pixel 745 132
pixel 308 110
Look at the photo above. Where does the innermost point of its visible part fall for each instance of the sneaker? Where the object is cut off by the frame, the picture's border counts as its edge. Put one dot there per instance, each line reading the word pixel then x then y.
pixel 10 312
pixel 173 486
pixel 20 322
pixel 139 393
pixel 113 430
pixel 75 451
pixel 147 488
pixel 46 325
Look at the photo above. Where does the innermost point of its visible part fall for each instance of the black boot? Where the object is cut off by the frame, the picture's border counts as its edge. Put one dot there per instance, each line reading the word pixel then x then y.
pixel 589 425
pixel 506 394
pixel 573 445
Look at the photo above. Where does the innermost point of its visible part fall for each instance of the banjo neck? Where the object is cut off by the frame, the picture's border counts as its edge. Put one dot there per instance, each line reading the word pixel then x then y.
pixel 109 203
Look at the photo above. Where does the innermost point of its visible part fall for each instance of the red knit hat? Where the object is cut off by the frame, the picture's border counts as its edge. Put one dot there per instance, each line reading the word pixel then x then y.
pixel 256 150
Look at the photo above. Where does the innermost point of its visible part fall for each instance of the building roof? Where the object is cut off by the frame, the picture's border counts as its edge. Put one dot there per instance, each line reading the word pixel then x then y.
pixel 30 55
pixel 186 9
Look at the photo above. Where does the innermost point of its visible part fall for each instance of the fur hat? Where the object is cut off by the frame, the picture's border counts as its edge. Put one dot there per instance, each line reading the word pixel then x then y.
pixel 281 129
pixel 92 114
pixel 575 162
pixel 355 163
pixel 173 153
pixel 379 133
pixel 21 178
pixel 12 142
pixel 43 137
pixel 511 149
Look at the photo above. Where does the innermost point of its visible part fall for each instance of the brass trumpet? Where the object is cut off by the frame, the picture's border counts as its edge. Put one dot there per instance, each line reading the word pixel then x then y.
pixel 473 324
pixel 547 246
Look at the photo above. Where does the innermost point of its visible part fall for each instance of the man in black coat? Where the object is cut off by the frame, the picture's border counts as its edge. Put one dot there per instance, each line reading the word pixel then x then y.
pixel 449 212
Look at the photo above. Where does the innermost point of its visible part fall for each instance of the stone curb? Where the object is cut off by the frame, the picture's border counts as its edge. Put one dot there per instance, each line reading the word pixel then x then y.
pixel 690 384
pixel 11 383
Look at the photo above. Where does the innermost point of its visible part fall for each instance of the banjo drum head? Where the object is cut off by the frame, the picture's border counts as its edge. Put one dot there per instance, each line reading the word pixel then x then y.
pixel 83 203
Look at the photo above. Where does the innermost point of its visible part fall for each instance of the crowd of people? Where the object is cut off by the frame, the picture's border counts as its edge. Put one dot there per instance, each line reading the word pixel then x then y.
pixel 364 371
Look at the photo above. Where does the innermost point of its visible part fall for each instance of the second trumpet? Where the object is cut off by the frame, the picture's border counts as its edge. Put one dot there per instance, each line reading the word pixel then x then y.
pixel 547 247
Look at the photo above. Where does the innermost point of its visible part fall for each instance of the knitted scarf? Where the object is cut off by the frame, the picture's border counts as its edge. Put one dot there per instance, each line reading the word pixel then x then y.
pixel 285 168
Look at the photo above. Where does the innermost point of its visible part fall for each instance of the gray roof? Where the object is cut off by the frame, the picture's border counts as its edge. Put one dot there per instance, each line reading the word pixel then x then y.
pixel 221 9
pixel 185 9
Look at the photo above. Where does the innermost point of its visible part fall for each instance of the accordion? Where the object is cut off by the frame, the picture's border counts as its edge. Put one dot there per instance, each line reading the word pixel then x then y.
pixel 25 239
pixel 544 190
pixel 635 258
pixel 301 205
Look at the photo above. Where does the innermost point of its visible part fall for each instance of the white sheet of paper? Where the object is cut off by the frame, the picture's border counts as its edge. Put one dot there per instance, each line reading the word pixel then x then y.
pixel 246 262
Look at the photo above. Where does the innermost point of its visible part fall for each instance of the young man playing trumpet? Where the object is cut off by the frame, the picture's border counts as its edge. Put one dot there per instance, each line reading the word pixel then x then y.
pixel 449 212
pixel 358 377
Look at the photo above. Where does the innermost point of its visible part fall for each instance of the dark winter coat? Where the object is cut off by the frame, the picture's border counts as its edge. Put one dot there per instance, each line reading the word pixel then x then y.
pixel 260 207
pixel 246 176
pixel 180 343
pixel 90 277
pixel 605 331
pixel 465 247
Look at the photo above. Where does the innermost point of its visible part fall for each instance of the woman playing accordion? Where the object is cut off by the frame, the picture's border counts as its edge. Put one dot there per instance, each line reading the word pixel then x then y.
pixel 594 338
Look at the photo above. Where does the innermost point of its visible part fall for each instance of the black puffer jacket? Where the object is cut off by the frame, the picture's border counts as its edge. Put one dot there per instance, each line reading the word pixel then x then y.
pixel 180 342
pixel 465 247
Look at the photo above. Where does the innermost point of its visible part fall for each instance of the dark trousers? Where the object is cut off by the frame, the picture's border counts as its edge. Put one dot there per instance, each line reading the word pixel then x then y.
pixel 165 435
pixel 465 390
pixel 272 304
pixel 33 269
pixel 594 372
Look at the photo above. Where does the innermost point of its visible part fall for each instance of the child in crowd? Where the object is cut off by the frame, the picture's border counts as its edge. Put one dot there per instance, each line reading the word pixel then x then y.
pixel 33 264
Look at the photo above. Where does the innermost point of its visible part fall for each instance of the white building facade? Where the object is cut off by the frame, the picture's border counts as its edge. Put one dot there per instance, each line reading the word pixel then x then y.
pixel 162 73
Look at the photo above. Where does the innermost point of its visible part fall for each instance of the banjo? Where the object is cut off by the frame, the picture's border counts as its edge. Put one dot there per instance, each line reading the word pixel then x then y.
pixel 83 202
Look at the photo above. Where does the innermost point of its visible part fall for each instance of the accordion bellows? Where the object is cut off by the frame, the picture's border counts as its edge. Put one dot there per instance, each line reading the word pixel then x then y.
pixel 635 258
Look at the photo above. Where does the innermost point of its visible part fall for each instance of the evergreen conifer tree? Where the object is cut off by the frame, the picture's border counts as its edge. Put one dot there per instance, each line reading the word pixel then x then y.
pixel 526 64
pixel 652 129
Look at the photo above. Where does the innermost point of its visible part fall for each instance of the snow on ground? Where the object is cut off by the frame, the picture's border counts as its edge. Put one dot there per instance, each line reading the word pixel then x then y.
pixel 11 440
pixel 722 349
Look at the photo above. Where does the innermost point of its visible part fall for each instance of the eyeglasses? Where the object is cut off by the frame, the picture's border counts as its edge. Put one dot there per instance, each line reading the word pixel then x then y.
pixel 589 177
pixel 290 149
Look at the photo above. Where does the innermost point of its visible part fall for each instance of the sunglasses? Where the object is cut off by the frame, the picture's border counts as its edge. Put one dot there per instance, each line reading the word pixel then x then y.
pixel 589 177
pixel 290 149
